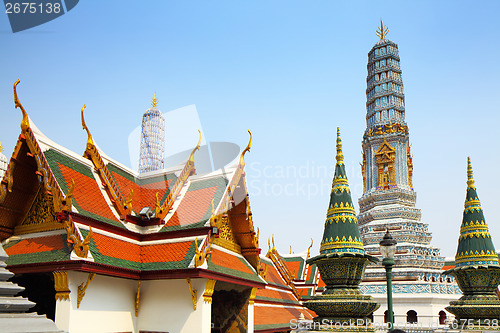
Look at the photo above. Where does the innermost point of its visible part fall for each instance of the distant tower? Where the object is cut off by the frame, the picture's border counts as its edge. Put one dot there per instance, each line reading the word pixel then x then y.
pixel 3 162
pixel 152 139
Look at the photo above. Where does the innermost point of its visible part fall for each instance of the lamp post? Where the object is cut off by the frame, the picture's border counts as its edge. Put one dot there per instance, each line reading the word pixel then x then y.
pixel 388 249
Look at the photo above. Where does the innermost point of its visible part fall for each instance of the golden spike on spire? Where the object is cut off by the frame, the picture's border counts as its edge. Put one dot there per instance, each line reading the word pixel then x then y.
pixel 1 147
pixel 470 178
pixel 242 157
pixel 191 157
pixel 274 248
pixel 382 31
pixel 340 155
pixel 154 101
pixel 90 141
pixel 25 123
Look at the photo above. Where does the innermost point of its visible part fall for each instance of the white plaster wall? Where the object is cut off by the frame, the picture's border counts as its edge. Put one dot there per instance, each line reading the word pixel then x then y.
pixel 166 306
pixel 108 305
pixel 426 306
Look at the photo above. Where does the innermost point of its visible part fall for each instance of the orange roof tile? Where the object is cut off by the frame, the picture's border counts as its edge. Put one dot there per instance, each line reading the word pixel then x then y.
pixel 321 283
pixel 269 315
pixel 273 276
pixel 193 207
pixel 144 195
pixel 278 295
pixel 221 258
pixel 87 194
pixel 117 248
pixel 35 245
pixel 293 267
pixel 165 252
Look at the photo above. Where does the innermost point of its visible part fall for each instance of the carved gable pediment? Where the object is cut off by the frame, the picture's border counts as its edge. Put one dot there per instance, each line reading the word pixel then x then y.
pixel 385 153
pixel 41 215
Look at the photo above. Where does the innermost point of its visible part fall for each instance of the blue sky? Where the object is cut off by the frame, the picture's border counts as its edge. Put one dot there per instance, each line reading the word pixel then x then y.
pixel 290 71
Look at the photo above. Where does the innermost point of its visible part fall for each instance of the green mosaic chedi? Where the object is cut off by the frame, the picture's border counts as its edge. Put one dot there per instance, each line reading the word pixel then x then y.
pixel 474 245
pixel 341 233
pixel 477 270
pixel 342 261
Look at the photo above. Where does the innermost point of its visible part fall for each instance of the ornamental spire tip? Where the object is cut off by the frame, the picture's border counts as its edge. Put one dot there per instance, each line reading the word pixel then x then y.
pixel 470 176
pixel 340 155
pixel 382 31
pixel 154 101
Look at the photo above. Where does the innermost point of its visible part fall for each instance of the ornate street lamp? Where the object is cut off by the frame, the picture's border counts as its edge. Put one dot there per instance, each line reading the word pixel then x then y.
pixel 388 249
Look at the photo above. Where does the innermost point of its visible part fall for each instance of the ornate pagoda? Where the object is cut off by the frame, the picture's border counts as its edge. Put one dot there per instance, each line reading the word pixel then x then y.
pixel 388 200
pixel 476 265
pixel 342 260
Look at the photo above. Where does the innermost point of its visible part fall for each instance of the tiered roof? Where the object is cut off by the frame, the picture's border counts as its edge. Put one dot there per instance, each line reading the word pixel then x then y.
pixel 280 301
pixel 84 215
pixel 63 211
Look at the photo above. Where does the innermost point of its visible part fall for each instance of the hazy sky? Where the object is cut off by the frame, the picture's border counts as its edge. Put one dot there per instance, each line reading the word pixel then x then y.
pixel 290 71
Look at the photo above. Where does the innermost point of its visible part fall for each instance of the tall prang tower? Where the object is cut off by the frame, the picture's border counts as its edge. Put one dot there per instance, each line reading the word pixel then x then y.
pixel 388 200
pixel 152 152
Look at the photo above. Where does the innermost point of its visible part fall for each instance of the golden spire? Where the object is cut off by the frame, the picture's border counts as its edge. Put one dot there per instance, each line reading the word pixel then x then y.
pixel 470 178
pixel 340 155
pixel 382 31
pixel 1 147
pixel 154 101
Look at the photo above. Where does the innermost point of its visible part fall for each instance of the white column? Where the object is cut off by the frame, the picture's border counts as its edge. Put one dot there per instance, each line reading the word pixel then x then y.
pixel 63 311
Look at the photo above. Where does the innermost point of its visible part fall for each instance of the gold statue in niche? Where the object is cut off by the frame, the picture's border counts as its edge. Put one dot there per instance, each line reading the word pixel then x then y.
pixel 363 172
pixel 409 163
pixel 385 156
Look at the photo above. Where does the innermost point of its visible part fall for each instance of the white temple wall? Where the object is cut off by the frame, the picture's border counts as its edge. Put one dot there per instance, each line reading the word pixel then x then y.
pixel 108 305
pixel 166 306
pixel 426 306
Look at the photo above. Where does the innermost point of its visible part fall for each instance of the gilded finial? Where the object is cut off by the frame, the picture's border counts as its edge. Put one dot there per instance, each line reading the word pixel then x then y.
pixel 340 155
pixel 309 249
pixel 25 124
pixel 157 205
pixel 242 157
pixel 154 101
pixel 90 141
pixel 274 248
pixel 470 178
pixel 191 157
pixel 382 31
pixel 1 147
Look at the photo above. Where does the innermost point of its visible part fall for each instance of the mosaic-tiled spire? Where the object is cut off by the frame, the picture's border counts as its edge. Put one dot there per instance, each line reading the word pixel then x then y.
pixel 474 245
pixel 384 91
pixel 341 233
pixel 152 151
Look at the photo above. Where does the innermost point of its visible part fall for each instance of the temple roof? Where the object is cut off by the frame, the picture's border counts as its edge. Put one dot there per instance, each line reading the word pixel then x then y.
pixel 474 244
pixel 277 304
pixel 341 233
pixel 61 210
